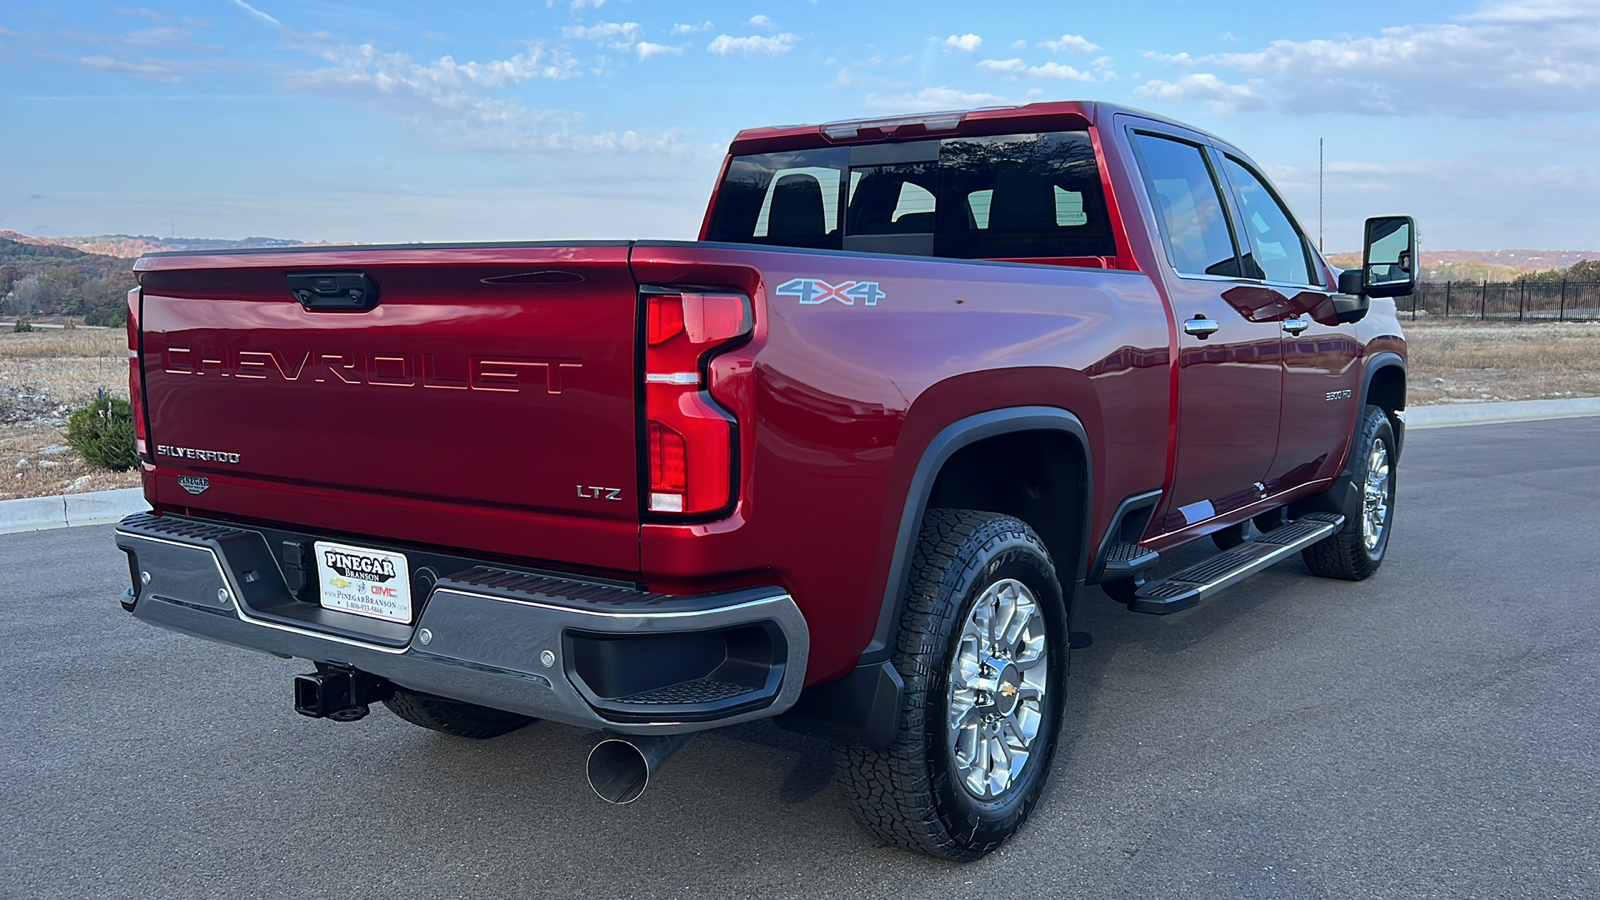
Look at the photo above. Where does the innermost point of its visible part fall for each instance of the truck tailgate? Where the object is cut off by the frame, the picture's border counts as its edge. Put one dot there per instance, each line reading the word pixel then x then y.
pixel 487 400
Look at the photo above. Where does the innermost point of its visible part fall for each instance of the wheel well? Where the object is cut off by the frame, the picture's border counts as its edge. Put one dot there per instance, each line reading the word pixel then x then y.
pixel 1037 476
pixel 1388 389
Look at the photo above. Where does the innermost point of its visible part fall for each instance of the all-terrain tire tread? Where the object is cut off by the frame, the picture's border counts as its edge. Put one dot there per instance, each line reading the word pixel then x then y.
pixel 1343 554
pixel 891 793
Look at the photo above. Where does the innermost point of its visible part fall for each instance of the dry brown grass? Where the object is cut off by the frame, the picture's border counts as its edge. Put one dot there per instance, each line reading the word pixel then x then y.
pixel 26 470
pixel 1461 363
pixel 68 365
pixel 1450 363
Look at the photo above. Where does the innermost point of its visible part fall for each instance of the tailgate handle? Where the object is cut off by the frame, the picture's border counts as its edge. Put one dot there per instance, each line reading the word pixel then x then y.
pixel 334 291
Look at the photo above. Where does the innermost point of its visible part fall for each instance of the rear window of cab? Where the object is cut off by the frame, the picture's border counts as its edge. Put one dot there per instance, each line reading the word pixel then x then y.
pixel 999 197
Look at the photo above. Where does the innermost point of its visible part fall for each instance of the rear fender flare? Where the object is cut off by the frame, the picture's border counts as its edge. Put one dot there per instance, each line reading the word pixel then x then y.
pixel 944 445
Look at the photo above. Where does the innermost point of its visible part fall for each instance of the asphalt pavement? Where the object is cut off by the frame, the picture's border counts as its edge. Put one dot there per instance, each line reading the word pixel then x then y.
pixel 1431 732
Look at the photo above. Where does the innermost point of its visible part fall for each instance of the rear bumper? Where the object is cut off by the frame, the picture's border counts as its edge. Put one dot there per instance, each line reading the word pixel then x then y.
pixel 588 654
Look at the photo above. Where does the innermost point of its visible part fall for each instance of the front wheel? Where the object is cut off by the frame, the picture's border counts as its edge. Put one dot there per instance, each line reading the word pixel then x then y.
pixel 1356 550
pixel 982 648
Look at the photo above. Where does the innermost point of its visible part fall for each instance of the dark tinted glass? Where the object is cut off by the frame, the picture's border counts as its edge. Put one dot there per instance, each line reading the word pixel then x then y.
pixel 787 199
pixel 1021 195
pixel 1010 196
pixel 1190 210
pixel 1277 246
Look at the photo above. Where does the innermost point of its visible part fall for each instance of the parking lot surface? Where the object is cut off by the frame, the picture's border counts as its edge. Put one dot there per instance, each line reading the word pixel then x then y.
pixel 1432 732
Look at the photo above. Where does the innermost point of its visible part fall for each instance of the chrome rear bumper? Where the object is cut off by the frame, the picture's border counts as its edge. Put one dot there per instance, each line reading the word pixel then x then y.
pixel 584 653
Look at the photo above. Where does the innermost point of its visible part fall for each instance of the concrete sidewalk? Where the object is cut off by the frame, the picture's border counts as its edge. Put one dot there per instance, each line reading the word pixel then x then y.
pixel 102 507
pixel 1509 411
pixel 93 508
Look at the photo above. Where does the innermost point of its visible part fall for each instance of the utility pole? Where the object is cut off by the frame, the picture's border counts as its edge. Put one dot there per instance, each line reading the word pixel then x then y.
pixel 1320 247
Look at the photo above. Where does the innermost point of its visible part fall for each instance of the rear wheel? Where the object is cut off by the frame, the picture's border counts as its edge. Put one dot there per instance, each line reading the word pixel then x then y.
pixel 453 717
pixel 982 648
pixel 1356 550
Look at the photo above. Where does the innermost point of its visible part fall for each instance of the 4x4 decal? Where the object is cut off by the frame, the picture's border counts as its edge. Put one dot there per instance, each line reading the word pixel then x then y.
pixel 814 291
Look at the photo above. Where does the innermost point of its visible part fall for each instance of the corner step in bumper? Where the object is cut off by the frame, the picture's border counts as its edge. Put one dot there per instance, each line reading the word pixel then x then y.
pixel 1184 589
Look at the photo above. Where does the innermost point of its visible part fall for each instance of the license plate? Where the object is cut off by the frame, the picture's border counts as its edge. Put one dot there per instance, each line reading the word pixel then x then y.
pixel 373 583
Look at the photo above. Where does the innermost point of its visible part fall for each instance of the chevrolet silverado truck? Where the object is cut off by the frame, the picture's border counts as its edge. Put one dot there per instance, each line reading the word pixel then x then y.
pixel 847 461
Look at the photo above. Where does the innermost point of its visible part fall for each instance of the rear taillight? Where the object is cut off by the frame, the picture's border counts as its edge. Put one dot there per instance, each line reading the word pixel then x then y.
pixel 689 437
pixel 136 377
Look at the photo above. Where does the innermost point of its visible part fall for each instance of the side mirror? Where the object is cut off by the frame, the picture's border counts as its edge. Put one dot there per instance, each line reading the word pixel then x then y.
pixel 1389 267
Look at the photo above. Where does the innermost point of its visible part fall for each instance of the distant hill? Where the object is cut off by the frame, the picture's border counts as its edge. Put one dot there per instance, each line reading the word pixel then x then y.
pixel 132 246
pixel 1484 265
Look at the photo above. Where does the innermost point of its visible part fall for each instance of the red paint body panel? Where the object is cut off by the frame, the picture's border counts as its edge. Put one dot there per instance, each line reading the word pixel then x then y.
pixel 465 410
pixel 847 397
pixel 492 384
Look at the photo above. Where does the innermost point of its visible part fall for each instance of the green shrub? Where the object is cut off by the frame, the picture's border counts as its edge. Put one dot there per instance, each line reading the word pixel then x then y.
pixel 102 433
pixel 22 325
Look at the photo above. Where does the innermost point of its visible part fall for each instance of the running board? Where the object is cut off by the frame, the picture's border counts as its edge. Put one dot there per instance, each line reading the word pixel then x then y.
pixel 1230 567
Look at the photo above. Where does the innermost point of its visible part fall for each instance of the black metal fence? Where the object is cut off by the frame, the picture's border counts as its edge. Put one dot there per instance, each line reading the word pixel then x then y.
pixel 1519 301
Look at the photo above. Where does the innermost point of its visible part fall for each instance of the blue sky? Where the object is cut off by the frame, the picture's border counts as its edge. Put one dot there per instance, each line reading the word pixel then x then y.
pixel 360 121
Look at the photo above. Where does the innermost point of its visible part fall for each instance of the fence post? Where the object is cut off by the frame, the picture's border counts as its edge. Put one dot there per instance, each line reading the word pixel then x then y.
pixel 1483 305
pixel 1522 296
pixel 1563 300
pixel 1446 301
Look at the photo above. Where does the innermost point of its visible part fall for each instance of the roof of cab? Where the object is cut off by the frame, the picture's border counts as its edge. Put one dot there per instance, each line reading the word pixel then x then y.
pixel 952 123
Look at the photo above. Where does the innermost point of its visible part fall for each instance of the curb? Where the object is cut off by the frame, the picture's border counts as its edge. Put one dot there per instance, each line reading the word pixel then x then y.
pixel 105 507
pixel 1507 411
pixel 68 510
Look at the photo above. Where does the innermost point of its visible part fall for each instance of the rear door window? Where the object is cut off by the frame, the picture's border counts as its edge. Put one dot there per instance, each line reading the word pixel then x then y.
pixel 1189 207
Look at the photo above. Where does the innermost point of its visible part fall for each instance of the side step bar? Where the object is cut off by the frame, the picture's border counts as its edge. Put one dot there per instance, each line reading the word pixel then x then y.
pixel 1230 567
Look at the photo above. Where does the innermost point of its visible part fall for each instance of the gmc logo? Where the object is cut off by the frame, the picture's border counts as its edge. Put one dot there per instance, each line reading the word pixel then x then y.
pixel 504 374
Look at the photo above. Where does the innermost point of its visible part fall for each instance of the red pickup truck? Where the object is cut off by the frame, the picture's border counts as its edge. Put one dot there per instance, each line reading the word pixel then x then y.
pixel 849 460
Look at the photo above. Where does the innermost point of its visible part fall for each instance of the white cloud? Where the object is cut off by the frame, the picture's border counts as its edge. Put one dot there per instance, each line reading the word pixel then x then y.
pixel 964 43
pixel 156 71
pixel 932 99
pixel 257 14
pixel 755 45
pixel 586 4
pixel 1207 88
pixel 681 28
pixel 1176 60
pixel 761 21
pixel 1532 55
pixel 430 92
pixel 1050 71
pixel 647 50
pixel 620 35
pixel 1070 42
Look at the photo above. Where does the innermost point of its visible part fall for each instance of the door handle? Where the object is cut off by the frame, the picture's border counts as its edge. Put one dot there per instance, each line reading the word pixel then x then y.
pixel 1200 326
pixel 334 291
pixel 1296 324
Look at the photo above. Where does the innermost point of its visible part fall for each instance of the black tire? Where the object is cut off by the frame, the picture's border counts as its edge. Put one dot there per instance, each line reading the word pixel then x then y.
pixel 910 795
pixel 453 717
pixel 1348 553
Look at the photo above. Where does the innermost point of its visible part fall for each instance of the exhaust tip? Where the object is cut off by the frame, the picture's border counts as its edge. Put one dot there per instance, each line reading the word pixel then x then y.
pixel 618 771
